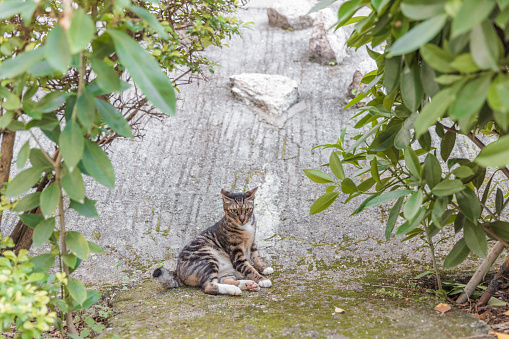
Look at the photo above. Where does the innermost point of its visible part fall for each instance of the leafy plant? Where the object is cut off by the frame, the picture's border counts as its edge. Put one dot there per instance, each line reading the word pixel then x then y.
pixel 26 296
pixel 83 74
pixel 442 72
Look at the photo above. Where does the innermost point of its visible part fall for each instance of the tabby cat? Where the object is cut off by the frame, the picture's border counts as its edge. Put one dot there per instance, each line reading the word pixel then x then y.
pixel 220 254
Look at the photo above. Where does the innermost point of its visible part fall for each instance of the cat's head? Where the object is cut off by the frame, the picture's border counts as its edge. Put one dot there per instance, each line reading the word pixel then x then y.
pixel 239 206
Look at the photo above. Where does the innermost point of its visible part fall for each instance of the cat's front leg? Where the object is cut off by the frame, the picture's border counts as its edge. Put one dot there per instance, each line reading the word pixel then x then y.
pixel 242 265
pixel 258 262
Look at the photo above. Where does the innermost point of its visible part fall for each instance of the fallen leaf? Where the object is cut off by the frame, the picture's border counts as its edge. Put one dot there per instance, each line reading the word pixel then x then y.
pixel 506 313
pixel 339 310
pixel 442 308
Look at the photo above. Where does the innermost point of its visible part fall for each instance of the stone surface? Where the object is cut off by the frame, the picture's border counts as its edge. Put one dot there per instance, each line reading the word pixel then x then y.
pixel 327 45
pixel 355 88
pixel 274 94
pixel 290 14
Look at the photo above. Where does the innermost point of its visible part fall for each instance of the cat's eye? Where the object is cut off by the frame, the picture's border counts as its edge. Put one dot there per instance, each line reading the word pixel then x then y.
pixel 248 210
pixel 234 211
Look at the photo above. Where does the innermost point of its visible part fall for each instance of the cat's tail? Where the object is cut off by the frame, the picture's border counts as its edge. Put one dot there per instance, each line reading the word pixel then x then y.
pixel 166 277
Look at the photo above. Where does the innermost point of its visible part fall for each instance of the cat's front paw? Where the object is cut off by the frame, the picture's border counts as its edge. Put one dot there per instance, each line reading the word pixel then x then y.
pixel 268 270
pixel 249 285
pixel 265 283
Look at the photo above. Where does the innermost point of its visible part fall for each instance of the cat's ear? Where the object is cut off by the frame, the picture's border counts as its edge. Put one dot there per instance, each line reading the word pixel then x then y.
pixel 251 194
pixel 227 197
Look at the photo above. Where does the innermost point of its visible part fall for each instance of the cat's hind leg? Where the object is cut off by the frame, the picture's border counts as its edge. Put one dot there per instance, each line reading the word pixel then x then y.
pixel 209 282
pixel 242 284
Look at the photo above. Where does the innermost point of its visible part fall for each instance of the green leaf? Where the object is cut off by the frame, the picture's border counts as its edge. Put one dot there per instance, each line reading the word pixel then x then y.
pixel 9 8
pixel 471 13
pixel 499 201
pixel 393 217
pixel 429 79
pixel 348 186
pixel 113 118
pixel 410 225
pixel 21 63
pixel 77 244
pixel 12 103
pixel 97 164
pixel 72 144
pixel 471 97
pixel 323 202
pixel 85 109
pixel 418 36
pixel 50 102
pixel 23 181
pixel 94 248
pixel 70 260
pixel 457 255
pixel 364 137
pixel 432 170
pixel 57 51
pixel 29 202
pixel 413 204
pixel 321 5
pixel 447 145
pixel 485 46
pixel 459 222
pixel 500 228
pixel 92 298
pixel 318 176
pixel 422 10
pixel 81 32
pixel 50 198
pixel 382 198
pixel 23 155
pixel 433 110
pixel 336 166
pixel 437 58
pixel 43 262
pixel 465 63
pixel 374 170
pixel 72 183
pixel 496 154
pixel 402 139
pixel 412 162
pixel 6 119
pixel 151 20
pixel 107 77
pixel 347 10
pixel 392 73
pixel 411 87
pixel 31 220
pixel 462 172
pixel 43 232
pixel 145 71
pixel 448 187
pixel 469 204
pixel 76 289
pixel 475 238
pixel 87 209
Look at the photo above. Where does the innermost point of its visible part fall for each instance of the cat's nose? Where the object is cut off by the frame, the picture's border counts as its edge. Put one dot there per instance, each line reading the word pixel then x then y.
pixel 242 218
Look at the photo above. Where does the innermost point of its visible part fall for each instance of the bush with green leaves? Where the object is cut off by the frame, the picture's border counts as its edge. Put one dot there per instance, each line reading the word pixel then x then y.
pixel 25 296
pixel 443 71
pixel 83 73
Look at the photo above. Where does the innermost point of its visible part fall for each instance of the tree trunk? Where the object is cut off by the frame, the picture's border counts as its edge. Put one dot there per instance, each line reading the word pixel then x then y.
pixel 22 234
pixel 6 158
pixel 500 277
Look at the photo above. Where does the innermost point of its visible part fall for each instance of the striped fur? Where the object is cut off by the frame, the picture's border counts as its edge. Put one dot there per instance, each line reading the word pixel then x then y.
pixel 220 255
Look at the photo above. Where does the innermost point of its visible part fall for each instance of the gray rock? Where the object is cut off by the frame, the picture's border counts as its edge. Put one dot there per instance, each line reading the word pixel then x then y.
pixel 355 87
pixel 274 94
pixel 325 44
pixel 290 14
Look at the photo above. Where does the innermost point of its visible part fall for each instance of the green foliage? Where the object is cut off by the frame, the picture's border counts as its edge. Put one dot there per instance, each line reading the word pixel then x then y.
pixel 25 298
pixel 444 67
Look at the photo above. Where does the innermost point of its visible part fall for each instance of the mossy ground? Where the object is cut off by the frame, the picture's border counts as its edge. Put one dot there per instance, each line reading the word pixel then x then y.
pixel 301 303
